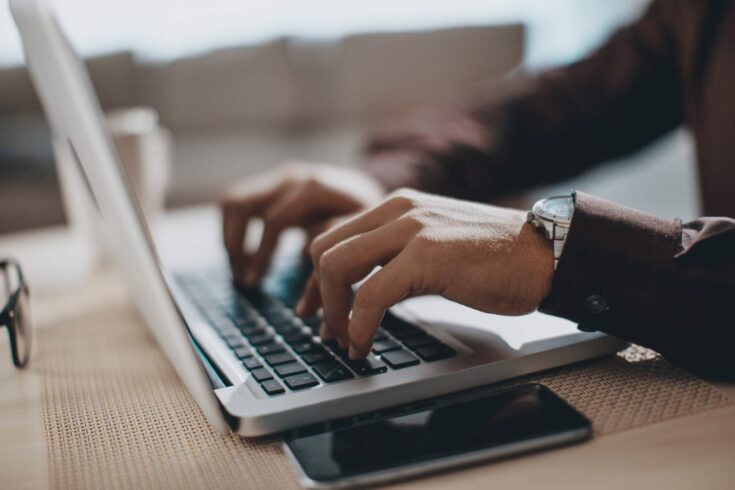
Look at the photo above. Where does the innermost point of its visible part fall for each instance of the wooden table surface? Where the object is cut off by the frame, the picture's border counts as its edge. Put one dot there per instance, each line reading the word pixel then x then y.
pixel 690 452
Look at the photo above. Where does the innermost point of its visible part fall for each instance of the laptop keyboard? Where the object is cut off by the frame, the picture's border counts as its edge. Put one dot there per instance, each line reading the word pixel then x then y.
pixel 282 351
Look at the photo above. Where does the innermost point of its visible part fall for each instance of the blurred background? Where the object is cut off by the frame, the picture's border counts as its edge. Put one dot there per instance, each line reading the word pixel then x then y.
pixel 244 85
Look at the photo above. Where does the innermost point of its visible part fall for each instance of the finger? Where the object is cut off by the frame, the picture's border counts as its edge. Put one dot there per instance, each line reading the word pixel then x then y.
pixel 310 300
pixel 234 224
pixel 366 221
pixel 390 285
pixel 312 231
pixel 237 211
pixel 284 211
pixel 309 304
pixel 350 261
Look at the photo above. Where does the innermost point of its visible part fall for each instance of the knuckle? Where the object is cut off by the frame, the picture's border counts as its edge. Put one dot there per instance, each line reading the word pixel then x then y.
pixel 365 298
pixel 413 219
pixel 289 168
pixel 316 249
pixel 295 171
pixel 329 263
pixel 424 241
pixel 402 199
pixel 423 247
pixel 406 192
pixel 272 220
pixel 311 183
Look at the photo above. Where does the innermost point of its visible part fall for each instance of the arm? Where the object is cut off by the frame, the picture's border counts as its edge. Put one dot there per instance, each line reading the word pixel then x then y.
pixel 539 129
pixel 662 285
pixel 653 281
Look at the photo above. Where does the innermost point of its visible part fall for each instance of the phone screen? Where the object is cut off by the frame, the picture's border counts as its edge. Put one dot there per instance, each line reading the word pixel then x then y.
pixel 503 419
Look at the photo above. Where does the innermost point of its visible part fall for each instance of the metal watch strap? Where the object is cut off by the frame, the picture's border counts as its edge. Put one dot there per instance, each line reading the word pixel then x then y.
pixel 552 231
pixel 558 238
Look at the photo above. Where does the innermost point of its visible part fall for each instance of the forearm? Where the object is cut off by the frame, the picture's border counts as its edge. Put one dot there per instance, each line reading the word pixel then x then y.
pixel 651 281
pixel 450 153
pixel 534 129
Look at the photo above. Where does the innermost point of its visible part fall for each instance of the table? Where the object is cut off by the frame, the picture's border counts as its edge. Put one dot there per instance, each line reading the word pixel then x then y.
pixel 696 451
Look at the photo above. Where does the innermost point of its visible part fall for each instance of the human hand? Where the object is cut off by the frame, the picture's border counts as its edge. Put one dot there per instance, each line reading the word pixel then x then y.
pixel 295 195
pixel 484 257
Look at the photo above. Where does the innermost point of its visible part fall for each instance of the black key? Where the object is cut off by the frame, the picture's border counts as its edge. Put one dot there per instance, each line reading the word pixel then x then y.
pixel 252 363
pixel 398 359
pixel 385 346
pixel 243 352
pixel 283 327
pixel 303 347
pixel 251 330
pixel 254 296
pixel 319 355
pixel 419 340
pixel 276 315
pixel 338 351
pixel 332 344
pixel 435 352
pixel 380 335
pixel 294 335
pixel 242 322
pixel 280 358
pixel 261 338
pixel 234 334
pixel 261 374
pixel 404 330
pixel 272 387
pixel 314 323
pixel 331 371
pixel 399 328
pixel 300 381
pixel 368 366
pixel 235 342
pixel 272 348
pixel 288 369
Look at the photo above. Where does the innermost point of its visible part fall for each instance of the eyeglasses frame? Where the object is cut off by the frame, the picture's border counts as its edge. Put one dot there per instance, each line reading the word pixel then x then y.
pixel 9 313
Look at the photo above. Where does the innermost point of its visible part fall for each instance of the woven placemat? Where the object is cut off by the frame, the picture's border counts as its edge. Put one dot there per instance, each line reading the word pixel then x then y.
pixel 116 415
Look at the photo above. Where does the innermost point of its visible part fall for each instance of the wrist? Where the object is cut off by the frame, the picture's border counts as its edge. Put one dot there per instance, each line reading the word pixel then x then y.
pixel 541 262
pixel 536 271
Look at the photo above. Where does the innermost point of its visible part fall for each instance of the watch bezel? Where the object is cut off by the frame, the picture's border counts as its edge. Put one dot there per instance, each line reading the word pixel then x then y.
pixel 542 212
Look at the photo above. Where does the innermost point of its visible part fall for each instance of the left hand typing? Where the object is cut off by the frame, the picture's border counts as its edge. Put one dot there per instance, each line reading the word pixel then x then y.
pixel 482 256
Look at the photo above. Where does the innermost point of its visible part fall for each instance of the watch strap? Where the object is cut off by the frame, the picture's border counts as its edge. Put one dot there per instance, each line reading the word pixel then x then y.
pixel 558 238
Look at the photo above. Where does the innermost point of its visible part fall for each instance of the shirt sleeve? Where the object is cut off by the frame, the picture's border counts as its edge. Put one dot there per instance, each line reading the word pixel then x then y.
pixel 537 129
pixel 651 281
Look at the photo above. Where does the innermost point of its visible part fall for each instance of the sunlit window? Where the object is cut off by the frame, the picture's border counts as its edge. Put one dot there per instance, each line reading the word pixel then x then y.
pixel 558 30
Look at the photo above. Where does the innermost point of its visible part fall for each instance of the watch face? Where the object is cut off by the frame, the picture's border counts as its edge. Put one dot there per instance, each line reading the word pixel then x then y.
pixel 555 208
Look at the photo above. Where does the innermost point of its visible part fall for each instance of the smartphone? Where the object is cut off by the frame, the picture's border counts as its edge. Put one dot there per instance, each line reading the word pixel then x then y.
pixel 492 425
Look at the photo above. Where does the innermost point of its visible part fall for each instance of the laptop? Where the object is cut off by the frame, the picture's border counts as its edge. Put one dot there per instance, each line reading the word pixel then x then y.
pixel 250 363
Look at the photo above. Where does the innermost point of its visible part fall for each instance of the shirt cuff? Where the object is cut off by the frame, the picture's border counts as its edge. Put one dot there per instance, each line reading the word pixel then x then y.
pixel 610 274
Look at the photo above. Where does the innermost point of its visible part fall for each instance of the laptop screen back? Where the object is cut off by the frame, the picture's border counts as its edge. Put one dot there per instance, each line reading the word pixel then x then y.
pixel 77 125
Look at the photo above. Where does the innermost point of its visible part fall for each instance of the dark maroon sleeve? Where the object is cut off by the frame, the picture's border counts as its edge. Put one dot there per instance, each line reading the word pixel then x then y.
pixel 537 129
pixel 652 281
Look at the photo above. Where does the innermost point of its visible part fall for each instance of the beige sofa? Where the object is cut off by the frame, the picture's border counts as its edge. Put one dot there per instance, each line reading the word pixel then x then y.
pixel 241 109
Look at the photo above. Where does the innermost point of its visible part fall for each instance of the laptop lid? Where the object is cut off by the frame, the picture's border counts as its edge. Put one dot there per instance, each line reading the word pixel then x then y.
pixel 77 125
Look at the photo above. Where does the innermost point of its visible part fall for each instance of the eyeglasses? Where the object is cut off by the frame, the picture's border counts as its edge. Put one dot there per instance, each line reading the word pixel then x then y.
pixel 16 313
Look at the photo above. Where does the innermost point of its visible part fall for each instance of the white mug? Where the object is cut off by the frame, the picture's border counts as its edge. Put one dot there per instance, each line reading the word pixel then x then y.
pixel 144 150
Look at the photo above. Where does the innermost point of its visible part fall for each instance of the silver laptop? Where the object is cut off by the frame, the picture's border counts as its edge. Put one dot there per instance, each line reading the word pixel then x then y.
pixel 251 364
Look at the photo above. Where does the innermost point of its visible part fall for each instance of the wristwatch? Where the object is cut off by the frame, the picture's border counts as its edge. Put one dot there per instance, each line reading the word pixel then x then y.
pixel 553 216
